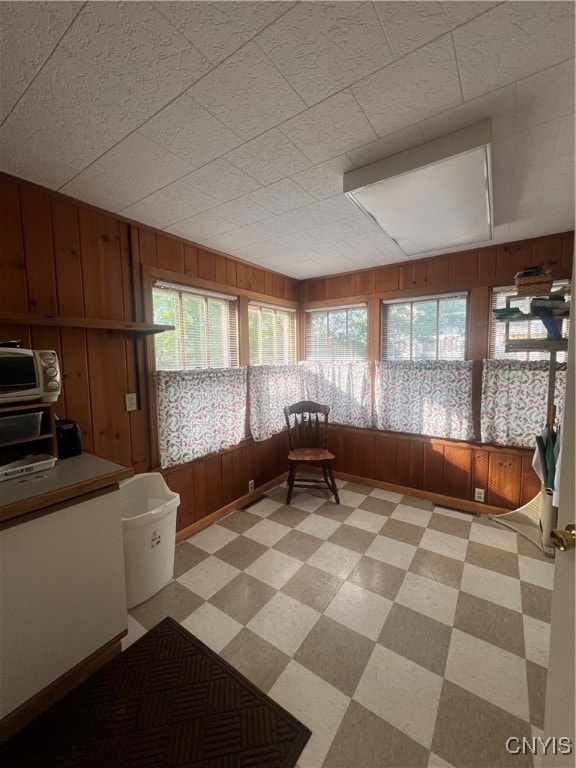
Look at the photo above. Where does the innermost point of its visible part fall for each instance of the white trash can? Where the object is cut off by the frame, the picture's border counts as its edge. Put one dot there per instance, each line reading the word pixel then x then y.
pixel 148 509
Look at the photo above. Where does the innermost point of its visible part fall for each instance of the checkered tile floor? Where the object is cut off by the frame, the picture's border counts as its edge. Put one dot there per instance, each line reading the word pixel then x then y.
pixel 400 633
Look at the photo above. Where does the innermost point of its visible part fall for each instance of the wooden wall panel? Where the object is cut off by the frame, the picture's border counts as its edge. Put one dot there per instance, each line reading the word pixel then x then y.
pixel 437 273
pixel 200 501
pixel 530 482
pixel 214 499
pixel 13 294
pixel 463 268
pixel 40 268
pixel 68 262
pixel 170 254
pixel 385 459
pixel 432 467
pixel 403 461
pixel 457 472
pixel 101 265
pixel 504 474
pixel 181 481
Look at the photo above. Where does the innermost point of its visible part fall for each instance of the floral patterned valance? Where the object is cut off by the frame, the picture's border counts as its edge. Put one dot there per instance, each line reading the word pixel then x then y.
pixel 514 400
pixel 425 397
pixel 344 385
pixel 271 388
pixel 200 412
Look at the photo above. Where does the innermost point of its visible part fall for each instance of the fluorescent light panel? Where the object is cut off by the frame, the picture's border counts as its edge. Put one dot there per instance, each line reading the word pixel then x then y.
pixel 433 197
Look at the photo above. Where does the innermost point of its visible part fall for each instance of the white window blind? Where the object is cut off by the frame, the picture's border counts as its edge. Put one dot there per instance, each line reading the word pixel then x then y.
pixel 206 334
pixel 272 334
pixel 338 333
pixel 425 329
pixel 521 329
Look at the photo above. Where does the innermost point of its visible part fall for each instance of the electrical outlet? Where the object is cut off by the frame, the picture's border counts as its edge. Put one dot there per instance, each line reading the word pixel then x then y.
pixel 131 402
pixel 479 494
pixel 250 485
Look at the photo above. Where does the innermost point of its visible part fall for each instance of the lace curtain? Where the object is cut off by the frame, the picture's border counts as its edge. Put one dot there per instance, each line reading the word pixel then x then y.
pixel 200 412
pixel 425 397
pixel 514 400
pixel 344 385
pixel 271 388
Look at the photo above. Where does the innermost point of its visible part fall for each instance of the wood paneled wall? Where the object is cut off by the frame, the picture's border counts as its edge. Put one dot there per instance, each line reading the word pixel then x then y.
pixel 60 257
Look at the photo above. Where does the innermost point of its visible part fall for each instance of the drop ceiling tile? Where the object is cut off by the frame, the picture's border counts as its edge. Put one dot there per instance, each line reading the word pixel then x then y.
pixel 336 249
pixel 408 26
pixel 28 34
pixel 388 146
pixel 190 131
pixel 269 158
pixel 324 180
pixel 458 12
pixel 293 221
pixel 416 87
pixel 303 270
pixel 331 128
pixel 280 197
pixel 104 79
pixel 333 209
pixel 247 93
pixel 243 236
pixel 497 106
pixel 201 227
pixel 361 223
pixel 131 170
pixel 218 29
pixel 323 47
pixel 242 211
pixel 512 41
pixel 545 95
pixel 222 180
pixel 167 206
pixel 565 141
pixel 536 144
pixel 288 244
pixel 338 230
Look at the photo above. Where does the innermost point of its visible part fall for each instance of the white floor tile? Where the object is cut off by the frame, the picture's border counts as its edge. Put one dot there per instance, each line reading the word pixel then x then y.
pixel 489 672
pixel 284 622
pixel 267 532
pixel 411 515
pixel 212 626
pixel 334 559
pixel 359 609
pixel 264 507
pixel 489 585
pixel 401 692
pixel 494 537
pixel 453 513
pixel 428 597
pixel 274 568
pixel 319 526
pixel 436 762
pixel 536 572
pixel 315 703
pixel 135 631
pixel 350 498
pixel 365 520
pixel 380 493
pixel 213 538
pixel 209 576
pixel 444 544
pixel 307 503
pixel 391 551
pixel 536 640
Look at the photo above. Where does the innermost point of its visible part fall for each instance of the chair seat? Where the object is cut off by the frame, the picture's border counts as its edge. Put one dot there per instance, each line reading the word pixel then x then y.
pixel 310 454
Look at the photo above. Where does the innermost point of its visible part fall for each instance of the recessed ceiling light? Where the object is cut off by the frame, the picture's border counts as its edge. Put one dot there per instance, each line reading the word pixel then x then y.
pixel 432 197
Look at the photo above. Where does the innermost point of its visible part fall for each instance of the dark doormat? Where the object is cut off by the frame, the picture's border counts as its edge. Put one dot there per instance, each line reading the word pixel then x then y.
pixel 168 700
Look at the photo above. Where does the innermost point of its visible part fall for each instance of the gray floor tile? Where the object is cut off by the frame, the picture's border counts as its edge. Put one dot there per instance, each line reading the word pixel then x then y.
pixel 352 538
pixel 243 597
pixel 536 601
pixel 335 653
pixel 337 512
pixel 472 732
pixel 358 488
pixel 536 692
pixel 298 544
pixel 414 501
pixel 401 531
pixel 382 578
pixel 490 622
pixel 529 549
pixel 261 662
pixel 241 552
pixel 450 525
pixel 186 556
pixel 378 506
pixel 174 600
pixel 493 559
pixel 239 521
pixel 364 740
pixel 417 637
pixel 435 567
pixel 313 587
pixel 277 494
pixel 290 516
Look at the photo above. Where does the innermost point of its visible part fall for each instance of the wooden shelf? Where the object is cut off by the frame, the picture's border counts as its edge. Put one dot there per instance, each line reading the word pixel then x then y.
pixel 142 329
pixel 22 440
pixel 542 345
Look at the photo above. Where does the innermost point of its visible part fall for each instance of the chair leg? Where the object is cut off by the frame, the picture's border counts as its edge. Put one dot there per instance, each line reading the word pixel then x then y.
pixel 291 476
pixel 333 484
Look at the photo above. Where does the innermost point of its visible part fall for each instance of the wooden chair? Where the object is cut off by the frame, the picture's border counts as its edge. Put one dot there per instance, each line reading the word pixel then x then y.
pixel 307 424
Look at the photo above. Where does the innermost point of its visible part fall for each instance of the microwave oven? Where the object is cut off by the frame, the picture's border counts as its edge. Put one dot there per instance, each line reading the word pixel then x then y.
pixel 28 374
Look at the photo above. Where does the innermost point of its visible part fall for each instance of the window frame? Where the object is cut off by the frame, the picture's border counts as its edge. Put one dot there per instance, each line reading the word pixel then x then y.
pixel 291 332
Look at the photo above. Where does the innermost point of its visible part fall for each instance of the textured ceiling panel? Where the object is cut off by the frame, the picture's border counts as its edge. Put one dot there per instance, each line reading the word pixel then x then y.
pixel 416 87
pixel 508 43
pixel 247 93
pixel 352 45
pixel 23 56
pixel 232 123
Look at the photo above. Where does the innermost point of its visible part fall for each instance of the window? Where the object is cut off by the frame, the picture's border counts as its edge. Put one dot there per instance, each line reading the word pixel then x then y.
pixel 272 334
pixel 340 333
pixel 206 328
pixel 426 329
pixel 521 329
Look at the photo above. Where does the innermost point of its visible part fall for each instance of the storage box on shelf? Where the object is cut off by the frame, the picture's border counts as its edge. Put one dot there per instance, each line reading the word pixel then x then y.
pixel 25 429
